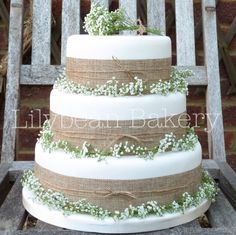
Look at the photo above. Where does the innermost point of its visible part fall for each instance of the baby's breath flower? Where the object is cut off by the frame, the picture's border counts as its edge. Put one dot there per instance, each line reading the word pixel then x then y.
pixel 58 201
pixel 99 21
pixel 137 87
pixel 168 143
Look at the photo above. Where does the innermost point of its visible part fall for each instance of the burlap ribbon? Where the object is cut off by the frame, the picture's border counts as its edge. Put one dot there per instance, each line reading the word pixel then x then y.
pixel 103 134
pixel 119 194
pixel 98 72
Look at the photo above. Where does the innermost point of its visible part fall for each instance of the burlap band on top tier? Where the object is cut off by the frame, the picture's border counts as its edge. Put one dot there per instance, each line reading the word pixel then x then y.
pixel 119 194
pixel 103 134
pixel 98 72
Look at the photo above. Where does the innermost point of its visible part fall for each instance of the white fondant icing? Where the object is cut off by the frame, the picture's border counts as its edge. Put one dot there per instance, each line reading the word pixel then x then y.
pixel 129 167
pixel 117 108
pixel 122 47
pixel 91 224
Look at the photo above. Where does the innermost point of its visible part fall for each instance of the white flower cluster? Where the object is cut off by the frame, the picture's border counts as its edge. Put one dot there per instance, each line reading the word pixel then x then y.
pixel 56 200
pixel 177 83
pixel 118 150
pixel 171 143
pixel 99 21
pixel 112 87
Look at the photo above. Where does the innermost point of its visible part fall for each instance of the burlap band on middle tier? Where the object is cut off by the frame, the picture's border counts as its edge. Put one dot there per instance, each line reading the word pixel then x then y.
pixel 98 72
pixel 103 134
pixel 119 194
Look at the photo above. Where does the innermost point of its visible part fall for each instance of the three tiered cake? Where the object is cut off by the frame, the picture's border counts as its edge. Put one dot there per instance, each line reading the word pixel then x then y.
pixel 117 155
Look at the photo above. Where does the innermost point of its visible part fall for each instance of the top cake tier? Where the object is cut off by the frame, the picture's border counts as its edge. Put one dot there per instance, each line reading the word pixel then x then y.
pixel 121 47
pixel 97 59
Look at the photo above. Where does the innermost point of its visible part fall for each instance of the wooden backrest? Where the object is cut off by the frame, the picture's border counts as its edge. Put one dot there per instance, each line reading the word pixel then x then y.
pixel 42 72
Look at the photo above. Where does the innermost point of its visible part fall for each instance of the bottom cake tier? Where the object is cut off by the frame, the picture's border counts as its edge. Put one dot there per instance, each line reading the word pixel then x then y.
pixel 89 223
pixel 54 208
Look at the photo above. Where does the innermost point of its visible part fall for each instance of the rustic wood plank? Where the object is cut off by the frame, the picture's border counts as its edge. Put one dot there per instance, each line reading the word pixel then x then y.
pixel 227 182
pixel 13 80
pixel 4 181
pixel 17 167
pixel 12 212
pixel 41 32
pixel 42 226
pixel 175 231
pixel 185 39
pixel 212 167
pixel 42 75
pixel 130 8
pixel 199 77
pixel 231 33
pixel 228 62
pixel 104 3
pixel 46 74
pixel 215 137
pixel 156 15
pixel 70 23
pixel 221 213
pixel 192 224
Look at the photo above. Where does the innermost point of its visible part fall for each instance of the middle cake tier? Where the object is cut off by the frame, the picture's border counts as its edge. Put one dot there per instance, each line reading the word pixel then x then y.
pixel 116 183
pixel 103 121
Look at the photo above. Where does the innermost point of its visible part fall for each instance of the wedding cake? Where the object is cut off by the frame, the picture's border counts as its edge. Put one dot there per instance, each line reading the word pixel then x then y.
pixel 117 155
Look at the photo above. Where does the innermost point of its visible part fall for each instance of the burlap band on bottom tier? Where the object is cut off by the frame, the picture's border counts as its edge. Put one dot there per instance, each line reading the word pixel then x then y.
pixel 119 194
pixel 98 72
pixel 103 134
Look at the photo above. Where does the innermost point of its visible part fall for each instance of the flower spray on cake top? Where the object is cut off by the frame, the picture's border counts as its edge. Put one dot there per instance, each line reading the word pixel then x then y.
pixel 102 22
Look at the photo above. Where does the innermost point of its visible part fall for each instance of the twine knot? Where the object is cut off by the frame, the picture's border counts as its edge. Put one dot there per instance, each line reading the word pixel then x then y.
pixel 141 28
pixel 120 193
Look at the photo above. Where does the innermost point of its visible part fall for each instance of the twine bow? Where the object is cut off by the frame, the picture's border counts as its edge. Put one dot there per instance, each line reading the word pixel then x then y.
pixel 120 193
pixel 130 74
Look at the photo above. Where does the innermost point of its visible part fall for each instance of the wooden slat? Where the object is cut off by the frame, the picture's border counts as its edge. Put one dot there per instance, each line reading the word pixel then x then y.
pixel 192 224
pixel 42 226
pixel 227 181
pixel 104 3
pixel 41 32
pixel 156 14
pixel 12 212
pixel 46 74
pixel 70 23
pixel 228 61
pixel 221 213
pixel 13 80
pixel 17 167
pixel 4 181
pixel 231 33
pixel 185 40
pixel 215 138
pixel 175 231
pixel 40 75
pixel 212 167
pixel 199 77
pixel 130 8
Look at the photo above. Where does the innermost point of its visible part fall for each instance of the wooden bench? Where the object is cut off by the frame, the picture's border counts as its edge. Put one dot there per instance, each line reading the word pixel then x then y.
pixel 13 217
